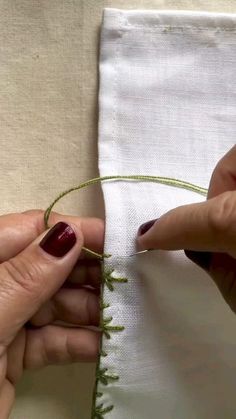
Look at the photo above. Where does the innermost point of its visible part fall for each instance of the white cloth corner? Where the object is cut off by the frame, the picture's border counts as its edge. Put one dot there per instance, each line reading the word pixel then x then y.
pixel 167 107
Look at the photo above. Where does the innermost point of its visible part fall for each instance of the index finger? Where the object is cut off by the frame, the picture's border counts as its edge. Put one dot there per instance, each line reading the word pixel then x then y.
pixel 224 175
pixel 206 226
pixel 200 226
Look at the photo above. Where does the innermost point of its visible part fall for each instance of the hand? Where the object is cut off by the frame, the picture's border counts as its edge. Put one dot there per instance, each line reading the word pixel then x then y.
pixel 207 230
pixel 39 281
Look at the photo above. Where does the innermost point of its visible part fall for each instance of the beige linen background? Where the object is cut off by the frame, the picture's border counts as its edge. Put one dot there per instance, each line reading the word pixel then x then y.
pixel 48 120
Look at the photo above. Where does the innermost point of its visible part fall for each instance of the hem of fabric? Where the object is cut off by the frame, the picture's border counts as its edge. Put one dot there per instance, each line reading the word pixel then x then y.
pixel 103 375
pixel 118 19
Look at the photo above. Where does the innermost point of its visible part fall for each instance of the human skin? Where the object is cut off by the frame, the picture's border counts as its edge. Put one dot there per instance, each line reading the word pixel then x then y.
pixel 206 230
pixel 39 290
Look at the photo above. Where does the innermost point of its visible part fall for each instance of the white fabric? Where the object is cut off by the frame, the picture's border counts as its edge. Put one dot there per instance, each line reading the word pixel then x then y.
pixel 167 107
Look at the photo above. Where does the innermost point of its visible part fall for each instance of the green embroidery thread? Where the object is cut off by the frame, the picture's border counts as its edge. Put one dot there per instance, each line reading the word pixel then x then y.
pixel 144 178
pixel 107 327
pixel 109 279
pixel 100 411
pixel 102 375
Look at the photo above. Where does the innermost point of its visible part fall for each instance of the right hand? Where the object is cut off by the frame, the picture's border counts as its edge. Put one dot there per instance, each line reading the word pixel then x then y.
pixel 207 230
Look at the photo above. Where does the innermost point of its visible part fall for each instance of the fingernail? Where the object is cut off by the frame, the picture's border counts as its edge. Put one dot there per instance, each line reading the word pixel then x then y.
pixel 59 240
pixel 202 259
pixel 145 227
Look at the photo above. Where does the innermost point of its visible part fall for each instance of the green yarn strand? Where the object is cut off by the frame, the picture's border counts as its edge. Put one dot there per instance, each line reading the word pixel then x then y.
pixel 158 179
pixel 143 178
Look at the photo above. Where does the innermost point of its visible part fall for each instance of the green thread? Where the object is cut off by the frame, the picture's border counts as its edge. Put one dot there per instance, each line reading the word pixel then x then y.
pixel 103 353
pixel 104 305
pixel 97 255
pixel 159 179
pixel 105 377
pixel 144 178
pixel 107 327
pixel 100 411
pixel 102 375
pixel 108 280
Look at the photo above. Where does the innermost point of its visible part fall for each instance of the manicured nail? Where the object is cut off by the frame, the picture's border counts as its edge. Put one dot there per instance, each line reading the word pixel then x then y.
pixel 59 240
pixel 202 259
pixel 145 227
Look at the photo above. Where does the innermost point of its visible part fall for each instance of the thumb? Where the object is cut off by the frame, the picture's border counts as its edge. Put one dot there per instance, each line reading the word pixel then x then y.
pixel 206 226
pixel 34 275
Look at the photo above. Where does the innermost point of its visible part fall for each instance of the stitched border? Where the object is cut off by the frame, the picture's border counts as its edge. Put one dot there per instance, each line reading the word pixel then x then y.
pixel 103 375
pixel 172 28
pixel 124 24
pixel 152 27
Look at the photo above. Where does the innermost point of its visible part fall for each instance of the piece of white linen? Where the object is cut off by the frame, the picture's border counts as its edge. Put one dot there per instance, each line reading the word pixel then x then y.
pixel 167 107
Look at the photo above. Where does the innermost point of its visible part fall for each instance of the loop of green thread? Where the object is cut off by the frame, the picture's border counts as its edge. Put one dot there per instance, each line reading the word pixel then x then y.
pixel 144 178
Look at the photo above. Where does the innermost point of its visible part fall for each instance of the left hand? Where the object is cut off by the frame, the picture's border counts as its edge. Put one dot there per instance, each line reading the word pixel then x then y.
pixel 38 289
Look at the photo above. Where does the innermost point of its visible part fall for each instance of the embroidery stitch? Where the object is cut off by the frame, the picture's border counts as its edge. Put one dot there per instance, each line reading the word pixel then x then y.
pixel 100 411
pixel 107 327
pixel 108 280
pixel 104 377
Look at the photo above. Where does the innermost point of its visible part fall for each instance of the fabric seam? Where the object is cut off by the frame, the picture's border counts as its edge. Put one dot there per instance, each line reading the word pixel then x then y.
pixel 171 28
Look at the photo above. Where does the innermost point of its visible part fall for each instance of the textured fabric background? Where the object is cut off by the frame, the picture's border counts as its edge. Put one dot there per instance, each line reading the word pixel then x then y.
pixel 48 138
pixel 167 107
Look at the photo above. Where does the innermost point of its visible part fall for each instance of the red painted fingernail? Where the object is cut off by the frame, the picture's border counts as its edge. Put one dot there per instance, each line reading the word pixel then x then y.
pixel 59 240
pixel 145 227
